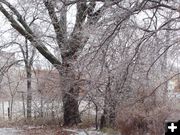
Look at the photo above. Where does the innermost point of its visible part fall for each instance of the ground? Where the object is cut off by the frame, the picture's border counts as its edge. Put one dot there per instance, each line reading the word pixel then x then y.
pixel 47 131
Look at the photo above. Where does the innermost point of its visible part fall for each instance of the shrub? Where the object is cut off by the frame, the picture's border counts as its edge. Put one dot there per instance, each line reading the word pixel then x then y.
pixel 138 121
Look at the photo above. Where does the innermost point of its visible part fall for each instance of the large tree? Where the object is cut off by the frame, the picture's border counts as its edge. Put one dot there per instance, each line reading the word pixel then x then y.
pixel 69 46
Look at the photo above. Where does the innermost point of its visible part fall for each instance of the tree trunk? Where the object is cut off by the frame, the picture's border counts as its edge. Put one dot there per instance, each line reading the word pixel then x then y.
pixel 109 114
pixel 70 93
pixel 71 108
pixel 24 112
pixel 9 110
pixel 42 106
pixel 96 118
pixel 9 115
pixel 52 111
pixel 108 117
pixel 11 107
pixel 3 108
pixel 29 92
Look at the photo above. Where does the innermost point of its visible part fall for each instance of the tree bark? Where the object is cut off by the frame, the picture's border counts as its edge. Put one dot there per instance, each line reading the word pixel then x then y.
pixel 71 111
pixel 42 106
pixel 9 115
pixel 24 112
pixel 52 111
pixel 11 106
pixel 70 95
pixel 96 118
pixel 3 108
pixel 109 115
pixel 29 92
pixel 9 111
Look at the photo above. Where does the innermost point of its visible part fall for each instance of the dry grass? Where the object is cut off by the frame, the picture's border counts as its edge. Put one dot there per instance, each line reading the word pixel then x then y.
pixel 138 121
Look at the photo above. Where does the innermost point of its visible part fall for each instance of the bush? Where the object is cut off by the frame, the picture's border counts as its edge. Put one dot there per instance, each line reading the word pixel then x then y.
pixel 138 121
